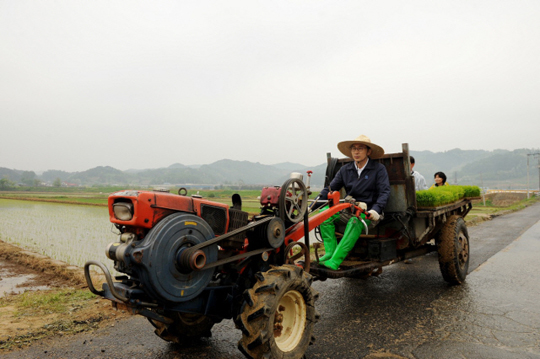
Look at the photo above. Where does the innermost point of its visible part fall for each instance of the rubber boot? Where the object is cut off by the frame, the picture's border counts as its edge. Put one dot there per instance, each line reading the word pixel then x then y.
pixel 352 233
pixel 328 234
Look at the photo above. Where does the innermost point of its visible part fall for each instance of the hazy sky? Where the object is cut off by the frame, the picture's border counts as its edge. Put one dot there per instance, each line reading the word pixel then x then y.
pixel 145 84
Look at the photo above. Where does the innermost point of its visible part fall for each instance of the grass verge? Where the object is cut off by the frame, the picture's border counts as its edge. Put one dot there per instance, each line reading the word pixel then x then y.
pixel 35 315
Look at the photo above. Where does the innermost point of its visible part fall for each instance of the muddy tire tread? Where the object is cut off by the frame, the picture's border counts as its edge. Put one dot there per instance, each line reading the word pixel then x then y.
pixel 179 332
pixel 255 318
pixel 447 250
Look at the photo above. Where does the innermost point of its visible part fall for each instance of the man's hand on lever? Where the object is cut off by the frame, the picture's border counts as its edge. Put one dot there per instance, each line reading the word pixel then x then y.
pixel 373 215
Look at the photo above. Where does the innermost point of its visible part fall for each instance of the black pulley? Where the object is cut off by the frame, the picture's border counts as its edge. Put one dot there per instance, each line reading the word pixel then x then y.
pixel 269 234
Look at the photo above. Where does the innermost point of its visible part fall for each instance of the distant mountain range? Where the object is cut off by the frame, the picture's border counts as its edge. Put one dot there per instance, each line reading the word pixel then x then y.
pixel 494 169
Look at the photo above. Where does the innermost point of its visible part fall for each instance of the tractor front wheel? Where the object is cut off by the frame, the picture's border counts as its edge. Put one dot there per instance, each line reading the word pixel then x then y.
pixel 453 248
pixel 278 314
pixel 185 326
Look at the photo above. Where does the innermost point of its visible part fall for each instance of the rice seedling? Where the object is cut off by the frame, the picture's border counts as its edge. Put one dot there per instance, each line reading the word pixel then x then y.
pixel 443 195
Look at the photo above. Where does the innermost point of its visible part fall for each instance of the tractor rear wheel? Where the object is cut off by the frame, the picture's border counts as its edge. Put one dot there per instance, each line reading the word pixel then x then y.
pixel 453 248
pixel 278 314
pixel 185 326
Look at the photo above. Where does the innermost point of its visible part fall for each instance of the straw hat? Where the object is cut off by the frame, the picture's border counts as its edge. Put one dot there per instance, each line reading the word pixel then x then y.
pixel 345 147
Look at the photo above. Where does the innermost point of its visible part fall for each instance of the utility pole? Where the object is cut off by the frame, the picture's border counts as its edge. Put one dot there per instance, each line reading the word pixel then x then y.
pixel 483 189
pixel 528 186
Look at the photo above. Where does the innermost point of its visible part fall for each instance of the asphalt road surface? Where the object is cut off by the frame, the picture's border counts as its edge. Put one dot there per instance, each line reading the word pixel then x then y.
pixel 406 312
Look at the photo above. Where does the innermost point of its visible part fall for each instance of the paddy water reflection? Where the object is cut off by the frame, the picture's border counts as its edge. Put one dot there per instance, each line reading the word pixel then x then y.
pixel 70 233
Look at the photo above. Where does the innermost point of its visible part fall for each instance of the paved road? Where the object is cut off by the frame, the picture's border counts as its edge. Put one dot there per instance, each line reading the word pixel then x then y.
pixel 407 312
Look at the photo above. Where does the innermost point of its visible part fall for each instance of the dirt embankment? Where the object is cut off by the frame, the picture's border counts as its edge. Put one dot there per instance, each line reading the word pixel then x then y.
pixel 500 204
pixel 505 199
pixel 22 322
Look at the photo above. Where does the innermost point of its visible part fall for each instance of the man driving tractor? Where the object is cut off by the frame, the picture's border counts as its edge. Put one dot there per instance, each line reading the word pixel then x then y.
pixel 364 181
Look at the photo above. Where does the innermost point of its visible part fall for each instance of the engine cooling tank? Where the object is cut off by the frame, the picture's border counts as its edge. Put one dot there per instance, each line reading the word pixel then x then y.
pixel 297 175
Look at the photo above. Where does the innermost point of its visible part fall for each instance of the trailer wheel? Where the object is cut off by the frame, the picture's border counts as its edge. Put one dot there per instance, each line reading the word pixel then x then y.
pixel 185 326
pixel 453 248
pixel 278 314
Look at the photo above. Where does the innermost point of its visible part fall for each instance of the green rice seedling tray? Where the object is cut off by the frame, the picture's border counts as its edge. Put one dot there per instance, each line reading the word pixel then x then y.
pixel 441 196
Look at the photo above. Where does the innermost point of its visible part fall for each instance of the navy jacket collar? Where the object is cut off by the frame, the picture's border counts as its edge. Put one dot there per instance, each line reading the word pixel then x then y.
pixel 370 165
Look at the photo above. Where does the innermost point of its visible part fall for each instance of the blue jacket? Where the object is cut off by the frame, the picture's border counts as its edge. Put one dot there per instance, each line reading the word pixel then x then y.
pixel 372 188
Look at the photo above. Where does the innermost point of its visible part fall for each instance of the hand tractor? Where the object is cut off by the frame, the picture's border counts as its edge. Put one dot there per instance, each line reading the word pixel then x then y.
pixel 188 263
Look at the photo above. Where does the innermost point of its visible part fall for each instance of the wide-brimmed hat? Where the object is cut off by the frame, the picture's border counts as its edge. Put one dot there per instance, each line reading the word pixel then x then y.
pixel 345 147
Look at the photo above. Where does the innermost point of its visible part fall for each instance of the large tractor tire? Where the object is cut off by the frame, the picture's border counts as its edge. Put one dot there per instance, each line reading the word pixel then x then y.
pixel 278 314
pixel 453 248
pixel 186 326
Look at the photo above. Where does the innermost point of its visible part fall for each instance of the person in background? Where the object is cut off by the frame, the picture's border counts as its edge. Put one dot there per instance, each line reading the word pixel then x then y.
pixel 440 180
pixel 419 180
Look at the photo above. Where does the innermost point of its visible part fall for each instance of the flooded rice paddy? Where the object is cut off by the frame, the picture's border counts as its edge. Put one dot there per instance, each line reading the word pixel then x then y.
pixel 70 233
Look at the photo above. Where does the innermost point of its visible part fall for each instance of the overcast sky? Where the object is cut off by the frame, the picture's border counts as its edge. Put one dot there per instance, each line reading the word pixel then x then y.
pixel 145 84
